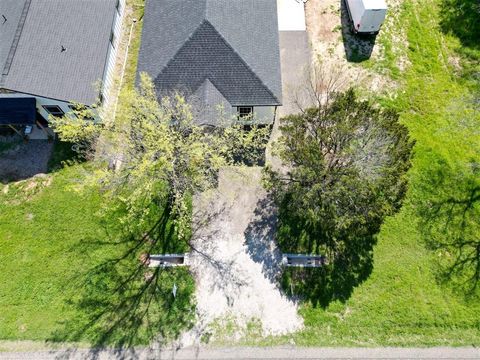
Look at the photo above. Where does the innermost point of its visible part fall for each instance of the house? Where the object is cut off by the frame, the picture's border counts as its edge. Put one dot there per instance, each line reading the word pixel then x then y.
pixel 222 54
pixel 54 51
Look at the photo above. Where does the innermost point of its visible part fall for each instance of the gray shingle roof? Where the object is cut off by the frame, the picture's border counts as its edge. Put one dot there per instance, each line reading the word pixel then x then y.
pixel 209 104
pixel 11 10
pixel 232 43
pixel 39 67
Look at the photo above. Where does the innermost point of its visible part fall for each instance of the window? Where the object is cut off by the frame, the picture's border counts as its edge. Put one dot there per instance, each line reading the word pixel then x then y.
pixel 245 111
pixel 54 110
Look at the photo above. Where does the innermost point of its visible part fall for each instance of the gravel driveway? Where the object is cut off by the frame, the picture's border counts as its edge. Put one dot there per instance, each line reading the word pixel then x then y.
pixel 236 261
pixel 234 258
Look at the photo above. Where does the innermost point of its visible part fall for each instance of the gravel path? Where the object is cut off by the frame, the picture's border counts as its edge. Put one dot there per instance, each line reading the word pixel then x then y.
pixel 235 260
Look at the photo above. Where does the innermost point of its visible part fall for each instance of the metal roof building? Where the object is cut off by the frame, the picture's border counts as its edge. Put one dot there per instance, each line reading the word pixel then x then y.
pixel 55 49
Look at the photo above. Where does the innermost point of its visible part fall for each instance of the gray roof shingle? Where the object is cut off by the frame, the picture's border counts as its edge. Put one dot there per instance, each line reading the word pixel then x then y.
pixel 10 27
pixel 232 43
pixel 40 67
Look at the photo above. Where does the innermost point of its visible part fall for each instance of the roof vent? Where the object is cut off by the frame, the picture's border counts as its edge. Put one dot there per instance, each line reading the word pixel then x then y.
pixel 4 19
pixel 63 49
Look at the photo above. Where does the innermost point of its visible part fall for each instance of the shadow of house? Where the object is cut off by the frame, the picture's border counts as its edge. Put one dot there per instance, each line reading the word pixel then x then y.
pixel 358 47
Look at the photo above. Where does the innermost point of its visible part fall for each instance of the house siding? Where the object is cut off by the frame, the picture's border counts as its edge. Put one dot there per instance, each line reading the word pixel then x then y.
pixel 109 73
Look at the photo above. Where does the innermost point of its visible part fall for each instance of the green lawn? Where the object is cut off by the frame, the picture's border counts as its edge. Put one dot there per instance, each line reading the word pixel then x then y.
pixel 46 234
pixel 39 234
pixel 61 263
pixel 402 303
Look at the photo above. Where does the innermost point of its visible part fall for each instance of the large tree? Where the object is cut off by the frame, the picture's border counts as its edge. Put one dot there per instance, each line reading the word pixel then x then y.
pixel 345 171
pixel 147 163
pixel 158 149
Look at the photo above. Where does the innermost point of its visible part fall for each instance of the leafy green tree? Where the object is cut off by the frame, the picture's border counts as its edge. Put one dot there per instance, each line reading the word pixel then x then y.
pixel 460 17
pixel 346 162
pixel 157 149
pixel 147 163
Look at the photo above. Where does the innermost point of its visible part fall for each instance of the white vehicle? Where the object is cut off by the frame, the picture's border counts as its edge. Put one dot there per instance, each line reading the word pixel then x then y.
pixel 367 16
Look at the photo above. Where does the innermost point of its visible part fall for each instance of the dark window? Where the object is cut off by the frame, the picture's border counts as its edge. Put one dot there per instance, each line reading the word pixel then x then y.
pixel 245 111
pixel 81 108
pixel 54 110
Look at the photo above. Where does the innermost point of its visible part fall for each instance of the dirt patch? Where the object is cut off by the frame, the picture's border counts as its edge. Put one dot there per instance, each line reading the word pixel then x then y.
pixel 25 190
pixel 334 44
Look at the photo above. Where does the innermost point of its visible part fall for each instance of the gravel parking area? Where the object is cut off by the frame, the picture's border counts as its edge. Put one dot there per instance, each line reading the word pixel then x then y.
pixel 25 160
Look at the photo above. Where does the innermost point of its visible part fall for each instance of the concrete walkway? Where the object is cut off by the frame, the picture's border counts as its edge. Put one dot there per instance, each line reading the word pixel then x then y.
pixel 279 353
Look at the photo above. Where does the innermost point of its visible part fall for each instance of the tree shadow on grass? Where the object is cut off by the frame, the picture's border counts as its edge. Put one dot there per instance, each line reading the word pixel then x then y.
pixel 348 264
pixel 346 269
pixel 335 281
pixel 449 226
pixel 358 47
pixel 62 154
pixel 461 18
pixel 123 302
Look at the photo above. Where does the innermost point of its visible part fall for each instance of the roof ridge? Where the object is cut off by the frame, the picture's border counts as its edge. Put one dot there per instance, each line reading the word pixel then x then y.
pixel 205 21
pixel 16 39
pixel 241 59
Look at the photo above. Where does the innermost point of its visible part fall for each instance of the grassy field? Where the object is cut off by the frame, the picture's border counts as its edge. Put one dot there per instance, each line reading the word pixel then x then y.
pixel 402 303
pixel 61 263
pixel 47 229
pixel 39 230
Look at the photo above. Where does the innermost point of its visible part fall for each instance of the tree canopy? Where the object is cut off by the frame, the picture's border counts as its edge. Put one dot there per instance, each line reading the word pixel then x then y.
pixel 346 162
pixel 147 164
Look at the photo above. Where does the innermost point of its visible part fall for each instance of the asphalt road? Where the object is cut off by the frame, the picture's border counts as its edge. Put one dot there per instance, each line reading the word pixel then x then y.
pixel 278 353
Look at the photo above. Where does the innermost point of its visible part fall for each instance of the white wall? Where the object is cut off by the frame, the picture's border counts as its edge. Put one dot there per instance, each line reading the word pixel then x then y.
pixel 108 76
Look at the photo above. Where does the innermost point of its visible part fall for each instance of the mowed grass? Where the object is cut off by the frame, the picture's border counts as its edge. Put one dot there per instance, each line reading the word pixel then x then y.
pixel 41 229
pixel 62 257
pixel 402 303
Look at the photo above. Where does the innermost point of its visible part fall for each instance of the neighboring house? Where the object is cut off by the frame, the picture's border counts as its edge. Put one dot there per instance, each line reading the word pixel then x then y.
pixel 55 51
pixel 218 52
